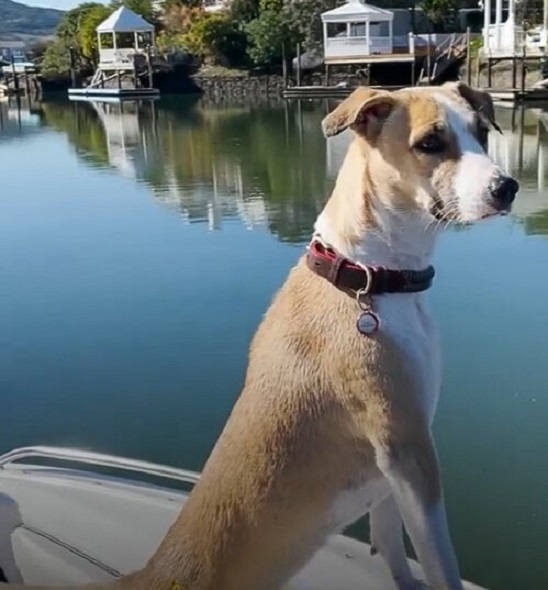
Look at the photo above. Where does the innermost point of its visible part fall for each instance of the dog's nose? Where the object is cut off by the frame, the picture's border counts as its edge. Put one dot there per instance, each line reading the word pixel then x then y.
pixel 505 191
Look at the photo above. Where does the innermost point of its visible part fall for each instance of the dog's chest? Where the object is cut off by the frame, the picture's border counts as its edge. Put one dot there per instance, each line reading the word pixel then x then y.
pixel 407 321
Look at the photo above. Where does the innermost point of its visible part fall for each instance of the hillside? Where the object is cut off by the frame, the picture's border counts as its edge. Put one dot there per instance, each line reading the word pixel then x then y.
pixel 22 20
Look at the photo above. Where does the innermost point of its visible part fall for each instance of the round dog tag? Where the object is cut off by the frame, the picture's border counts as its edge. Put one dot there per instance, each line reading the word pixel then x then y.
pixel 368 322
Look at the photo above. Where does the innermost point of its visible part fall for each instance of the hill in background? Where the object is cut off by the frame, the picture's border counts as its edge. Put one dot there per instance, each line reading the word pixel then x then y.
pixel 19 21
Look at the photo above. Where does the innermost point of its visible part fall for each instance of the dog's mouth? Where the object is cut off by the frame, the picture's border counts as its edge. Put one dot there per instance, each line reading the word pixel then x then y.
pixel 452 215
pixel 497 212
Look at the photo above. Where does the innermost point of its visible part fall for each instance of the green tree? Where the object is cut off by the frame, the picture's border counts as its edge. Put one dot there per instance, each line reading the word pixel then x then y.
pixel 87 36
pixel 56 60
pixel 441 13
pixel 141 7
pixel 69 27
pixel 216 38
pixel 244 11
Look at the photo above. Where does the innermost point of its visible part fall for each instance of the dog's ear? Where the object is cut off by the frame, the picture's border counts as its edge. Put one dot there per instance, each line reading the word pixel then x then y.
pixel 363 111
pixel 479 100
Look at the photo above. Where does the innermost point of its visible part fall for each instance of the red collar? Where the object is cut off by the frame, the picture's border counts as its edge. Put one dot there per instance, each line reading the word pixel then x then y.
pixel 344 274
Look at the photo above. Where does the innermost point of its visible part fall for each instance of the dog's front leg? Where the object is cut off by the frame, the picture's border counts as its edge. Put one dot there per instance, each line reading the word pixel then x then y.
pixel 387 538
pixel 411 467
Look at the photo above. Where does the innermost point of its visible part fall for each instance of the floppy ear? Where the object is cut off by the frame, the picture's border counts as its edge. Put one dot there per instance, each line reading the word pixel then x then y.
pixel 479 100
pixel 363 111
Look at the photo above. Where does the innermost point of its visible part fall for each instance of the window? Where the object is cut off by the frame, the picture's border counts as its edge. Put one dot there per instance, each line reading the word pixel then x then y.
pixel 336 30
pixel 357 29
pixel 107 41
pixel 380 29
pixel 125 40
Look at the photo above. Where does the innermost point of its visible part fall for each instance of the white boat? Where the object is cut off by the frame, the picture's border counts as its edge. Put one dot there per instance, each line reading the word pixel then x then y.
pixel 71 524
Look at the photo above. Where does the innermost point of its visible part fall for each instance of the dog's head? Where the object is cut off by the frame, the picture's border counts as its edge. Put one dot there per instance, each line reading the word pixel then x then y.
pixel 428 147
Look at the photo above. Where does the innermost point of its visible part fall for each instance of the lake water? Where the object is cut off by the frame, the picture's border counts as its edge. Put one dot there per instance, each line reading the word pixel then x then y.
pixel 139 250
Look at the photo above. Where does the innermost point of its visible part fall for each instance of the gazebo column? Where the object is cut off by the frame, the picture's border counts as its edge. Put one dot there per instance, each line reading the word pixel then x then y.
pixel 391 34
pixel 498 22
pixel 486 25
pixel 368 36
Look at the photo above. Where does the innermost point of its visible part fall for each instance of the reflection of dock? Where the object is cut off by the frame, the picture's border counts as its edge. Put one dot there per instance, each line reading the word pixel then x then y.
pixel 126 134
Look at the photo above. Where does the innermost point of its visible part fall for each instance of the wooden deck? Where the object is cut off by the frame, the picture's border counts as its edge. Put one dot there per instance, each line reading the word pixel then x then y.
pixel 510 95
pixel 517 95
pixel 319 92
pixel 383 58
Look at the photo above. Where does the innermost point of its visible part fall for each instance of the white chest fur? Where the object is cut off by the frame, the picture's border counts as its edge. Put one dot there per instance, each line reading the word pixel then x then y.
pixel 407 320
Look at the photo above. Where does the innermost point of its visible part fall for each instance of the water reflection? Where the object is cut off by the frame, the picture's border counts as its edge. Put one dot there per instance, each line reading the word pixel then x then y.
pixel 261 167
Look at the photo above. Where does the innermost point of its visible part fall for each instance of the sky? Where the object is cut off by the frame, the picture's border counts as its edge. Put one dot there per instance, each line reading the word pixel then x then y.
pixel 59 4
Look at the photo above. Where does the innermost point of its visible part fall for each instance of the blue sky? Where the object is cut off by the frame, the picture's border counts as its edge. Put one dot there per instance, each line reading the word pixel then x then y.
pixel 60 4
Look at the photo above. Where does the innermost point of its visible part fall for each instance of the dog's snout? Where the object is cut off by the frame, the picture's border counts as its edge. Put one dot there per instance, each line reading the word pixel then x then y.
pixel 504 191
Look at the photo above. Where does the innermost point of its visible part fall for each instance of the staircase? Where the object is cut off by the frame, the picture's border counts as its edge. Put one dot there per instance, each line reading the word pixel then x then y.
pixel 449 53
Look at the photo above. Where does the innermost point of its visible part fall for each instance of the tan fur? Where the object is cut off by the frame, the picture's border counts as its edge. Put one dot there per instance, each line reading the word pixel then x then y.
pixel 318 396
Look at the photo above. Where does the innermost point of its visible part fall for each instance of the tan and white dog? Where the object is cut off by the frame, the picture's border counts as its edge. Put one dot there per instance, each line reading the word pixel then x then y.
pixel 335 417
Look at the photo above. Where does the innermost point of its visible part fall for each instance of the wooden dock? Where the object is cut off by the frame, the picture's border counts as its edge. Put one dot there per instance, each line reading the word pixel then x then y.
pixel 320 92
pixel 120 93
pixel 507 95
pixel 518 95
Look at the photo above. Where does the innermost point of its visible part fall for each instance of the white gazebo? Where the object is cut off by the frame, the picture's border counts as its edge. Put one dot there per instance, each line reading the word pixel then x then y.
pixel 123 35
pixel 505 37
pixel 356 30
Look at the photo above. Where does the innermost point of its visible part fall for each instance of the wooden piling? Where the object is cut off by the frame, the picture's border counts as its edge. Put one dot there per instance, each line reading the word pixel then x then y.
pixel 72 67
pixel 514 71
pixel 489 72
pixel 15 77
pixel 149 68
pixel 428 61
pixel 468 57
pixel 284 65
pixel 523 67
pixel 298 64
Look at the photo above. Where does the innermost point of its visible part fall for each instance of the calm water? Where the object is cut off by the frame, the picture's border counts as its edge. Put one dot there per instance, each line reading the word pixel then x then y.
pixel 140 249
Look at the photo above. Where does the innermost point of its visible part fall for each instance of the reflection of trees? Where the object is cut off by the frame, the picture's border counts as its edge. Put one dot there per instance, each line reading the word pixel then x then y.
pixel 261 165
pixel 274 154
pixel 537 223
pixel 82 127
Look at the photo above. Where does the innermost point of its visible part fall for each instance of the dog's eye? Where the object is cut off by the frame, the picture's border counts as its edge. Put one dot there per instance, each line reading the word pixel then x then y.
pixel 431 144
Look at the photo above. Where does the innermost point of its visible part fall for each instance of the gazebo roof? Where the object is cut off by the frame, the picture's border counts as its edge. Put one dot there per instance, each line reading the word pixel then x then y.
pixel 357 10
pixel 124 20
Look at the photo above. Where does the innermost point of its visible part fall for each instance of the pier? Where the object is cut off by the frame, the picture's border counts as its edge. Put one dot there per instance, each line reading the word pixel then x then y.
pixel 126 53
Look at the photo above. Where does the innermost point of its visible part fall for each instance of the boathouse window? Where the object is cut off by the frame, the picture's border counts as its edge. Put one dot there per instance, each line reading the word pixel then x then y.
pixel 357 29
pixel 336 30
pixel 144 39
pixel 125 40
pixel 379 29
pixel 106 40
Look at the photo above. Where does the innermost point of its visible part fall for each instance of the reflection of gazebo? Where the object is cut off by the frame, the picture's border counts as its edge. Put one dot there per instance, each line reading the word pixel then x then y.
pixel 123 35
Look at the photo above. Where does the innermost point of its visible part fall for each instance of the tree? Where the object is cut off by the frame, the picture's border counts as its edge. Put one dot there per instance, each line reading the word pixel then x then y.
pixel 215 38
pixel 56 60
pixel 87 36
pixel 143 8
pixel 267 35
pixel 244 11
pixel 441 13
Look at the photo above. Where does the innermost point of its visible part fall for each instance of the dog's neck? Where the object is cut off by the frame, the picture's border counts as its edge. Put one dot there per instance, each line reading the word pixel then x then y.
pixel 363 227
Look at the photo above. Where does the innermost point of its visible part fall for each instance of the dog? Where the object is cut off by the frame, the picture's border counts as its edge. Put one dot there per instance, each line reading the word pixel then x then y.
pixel 334 420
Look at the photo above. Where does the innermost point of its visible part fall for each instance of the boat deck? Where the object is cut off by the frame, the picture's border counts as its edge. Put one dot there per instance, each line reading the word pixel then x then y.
pixel 61 525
